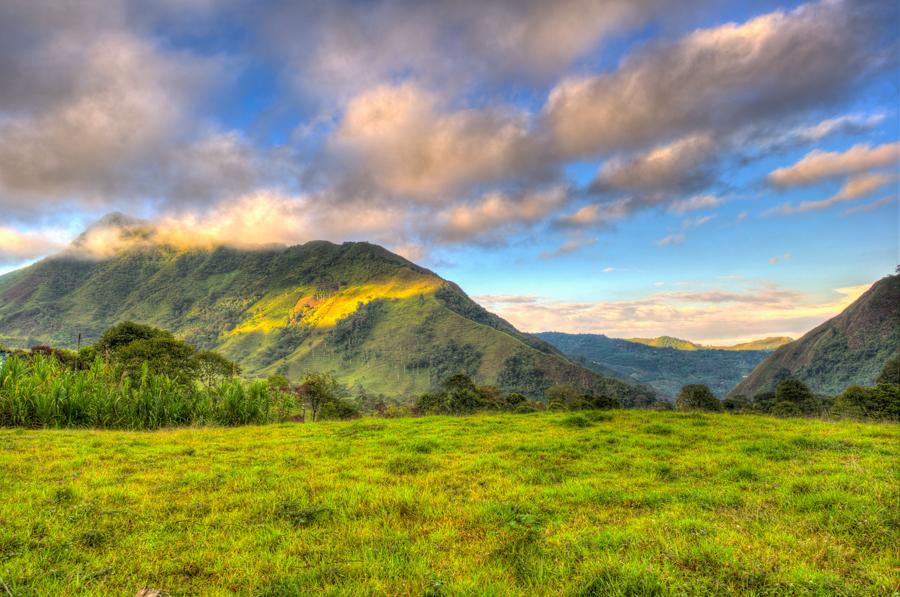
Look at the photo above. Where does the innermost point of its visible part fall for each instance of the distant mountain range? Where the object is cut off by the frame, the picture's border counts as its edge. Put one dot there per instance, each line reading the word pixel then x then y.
pixel 666 363
pixel 851 348
pixel 770 343
pixel 374 318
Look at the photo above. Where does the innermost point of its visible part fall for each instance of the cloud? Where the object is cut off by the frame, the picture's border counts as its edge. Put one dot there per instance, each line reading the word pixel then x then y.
pixel 568 247
pixel 689 223
pixel 255 220
pixel 682 166
pixel 596 214
pixel 775 259
pixel 722 78
pixel 694 203
pixel 17 246
pixel 847 124
pixel 402 140
pixel 871 206
pixel 713 317
pixel 340 48
pixel 495 216
pixel 856 187
pixel 671 239
pixel 817 165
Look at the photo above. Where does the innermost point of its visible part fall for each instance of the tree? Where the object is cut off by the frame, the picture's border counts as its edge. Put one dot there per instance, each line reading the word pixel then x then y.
pixel 212 368
pixel 697 397
pixel 164 355
pixel 736 404
pixel 562 397
pixel 891 372
pixel 316 390
pixel 127 332
pixel 797 396
pixel 858 402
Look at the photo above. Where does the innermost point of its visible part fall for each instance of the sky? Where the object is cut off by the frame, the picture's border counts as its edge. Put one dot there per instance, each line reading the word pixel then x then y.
pixel 716 171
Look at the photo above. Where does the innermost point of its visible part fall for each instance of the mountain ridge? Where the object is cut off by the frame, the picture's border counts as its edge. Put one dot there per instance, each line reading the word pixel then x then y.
pixel 377 319
pixel 848 349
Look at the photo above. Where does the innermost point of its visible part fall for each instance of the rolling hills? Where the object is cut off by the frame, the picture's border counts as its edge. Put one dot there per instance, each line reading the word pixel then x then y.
pixel 376 319
pixel 666 369
pixel 770 343
pixel 851 348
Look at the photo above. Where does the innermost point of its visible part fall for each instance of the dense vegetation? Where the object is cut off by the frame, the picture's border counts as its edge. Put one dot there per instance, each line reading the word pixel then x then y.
pixel 850 349
pixel 605 503
pixel 373 318
pixel 664 369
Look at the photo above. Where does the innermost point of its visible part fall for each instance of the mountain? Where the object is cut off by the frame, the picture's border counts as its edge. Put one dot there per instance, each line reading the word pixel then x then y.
pixel 667 342
pixel 851 348
pixel 371 316
pixel 664 369
pixel 770 343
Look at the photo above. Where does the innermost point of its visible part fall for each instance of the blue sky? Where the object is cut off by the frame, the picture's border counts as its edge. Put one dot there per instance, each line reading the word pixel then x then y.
pixel 717 171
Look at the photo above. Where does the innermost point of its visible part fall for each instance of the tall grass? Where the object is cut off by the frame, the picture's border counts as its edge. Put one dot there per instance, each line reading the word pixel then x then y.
pixel 41 392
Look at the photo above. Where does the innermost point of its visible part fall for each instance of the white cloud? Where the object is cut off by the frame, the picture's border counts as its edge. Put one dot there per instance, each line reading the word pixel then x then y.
pixel 671 239
pixel 694 203
pixel 712 317
pixel 818 165
pixel 720 79
pixel 855 188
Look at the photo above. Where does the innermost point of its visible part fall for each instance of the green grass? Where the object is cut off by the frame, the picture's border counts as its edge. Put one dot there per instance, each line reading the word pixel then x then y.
pixel 636 503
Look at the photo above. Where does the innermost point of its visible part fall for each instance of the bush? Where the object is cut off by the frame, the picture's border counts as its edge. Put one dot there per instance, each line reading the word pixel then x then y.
pixel 793 398
pixel 697 397
pixel 857 402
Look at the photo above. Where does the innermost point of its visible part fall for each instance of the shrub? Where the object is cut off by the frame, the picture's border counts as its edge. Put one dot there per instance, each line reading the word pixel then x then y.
pixel 697 397
pixel 793 397
pixel 858 402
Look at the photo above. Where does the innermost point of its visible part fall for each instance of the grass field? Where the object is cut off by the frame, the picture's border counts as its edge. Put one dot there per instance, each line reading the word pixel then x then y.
pixel 618 503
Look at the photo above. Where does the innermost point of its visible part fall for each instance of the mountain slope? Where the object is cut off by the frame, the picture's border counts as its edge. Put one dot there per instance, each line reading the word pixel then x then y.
pixel 373 317
pixel 770 343
pixel 664 369
pixel 851 348
pixel 667 342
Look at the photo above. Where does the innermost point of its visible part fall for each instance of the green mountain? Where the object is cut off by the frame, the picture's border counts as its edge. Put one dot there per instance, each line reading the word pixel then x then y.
pixel 667 342
pixel 665 369
pixel 372 317
pixel 770 343
pixel 851 348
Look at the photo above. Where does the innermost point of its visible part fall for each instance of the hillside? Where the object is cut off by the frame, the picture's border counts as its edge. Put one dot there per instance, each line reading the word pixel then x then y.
pixel 373 317
pixel 851 348
pixel 667 342
pixel 770 343
pixel 664 369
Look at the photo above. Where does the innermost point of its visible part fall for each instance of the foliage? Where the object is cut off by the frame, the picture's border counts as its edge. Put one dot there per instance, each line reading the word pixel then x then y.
pixel 879 403
pixel 891 372
pixel 487 505
pixel 352 331
pixel 42 392
pixel 449 359
pixel 792 398
pixel 697 397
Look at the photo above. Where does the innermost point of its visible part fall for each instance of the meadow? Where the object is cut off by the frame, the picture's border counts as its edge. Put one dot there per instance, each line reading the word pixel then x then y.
pixel 594 503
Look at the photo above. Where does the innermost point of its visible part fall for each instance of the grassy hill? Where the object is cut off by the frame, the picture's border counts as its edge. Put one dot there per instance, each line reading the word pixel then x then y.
pixel 375 318
pixel 664 369
pixel 630 503
pixel 770 343
pixel 851 348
